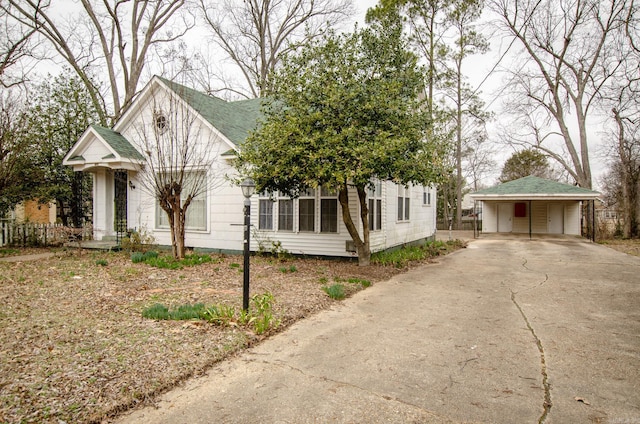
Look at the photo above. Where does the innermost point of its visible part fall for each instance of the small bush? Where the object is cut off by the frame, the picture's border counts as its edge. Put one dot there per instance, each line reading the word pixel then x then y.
pixel 335 291
pixel 101 262
pixel 138 241
pixel 137 257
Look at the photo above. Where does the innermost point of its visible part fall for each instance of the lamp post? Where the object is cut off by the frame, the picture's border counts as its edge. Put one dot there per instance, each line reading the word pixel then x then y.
pixel 248 188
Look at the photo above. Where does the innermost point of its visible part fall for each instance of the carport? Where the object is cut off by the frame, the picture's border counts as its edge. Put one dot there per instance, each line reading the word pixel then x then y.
pixel 536 205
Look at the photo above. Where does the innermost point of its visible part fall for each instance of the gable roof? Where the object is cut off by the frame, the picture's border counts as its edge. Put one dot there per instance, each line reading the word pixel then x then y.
pixel 233 119
pixel 534 188
pixel 100 147
pixel 118 143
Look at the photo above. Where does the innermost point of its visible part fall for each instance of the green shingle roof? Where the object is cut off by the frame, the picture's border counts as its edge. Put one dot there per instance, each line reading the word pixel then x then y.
pixel 233 119
pixel 118 143
pixel 536 186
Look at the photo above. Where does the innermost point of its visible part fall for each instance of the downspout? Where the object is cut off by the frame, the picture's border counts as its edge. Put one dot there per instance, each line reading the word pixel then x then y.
pixel 475 219
pixel 529 219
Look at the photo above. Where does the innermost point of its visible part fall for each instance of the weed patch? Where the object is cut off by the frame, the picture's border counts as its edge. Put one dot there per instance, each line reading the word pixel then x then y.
pixel 335 291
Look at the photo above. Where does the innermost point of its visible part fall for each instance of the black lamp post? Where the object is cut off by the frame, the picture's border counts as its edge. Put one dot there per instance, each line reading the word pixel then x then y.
pixel 248 188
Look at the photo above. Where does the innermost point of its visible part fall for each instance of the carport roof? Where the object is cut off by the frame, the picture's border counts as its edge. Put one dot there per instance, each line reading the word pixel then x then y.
pixel 534 188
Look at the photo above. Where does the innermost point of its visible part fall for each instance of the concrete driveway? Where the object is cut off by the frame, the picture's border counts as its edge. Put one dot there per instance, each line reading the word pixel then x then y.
pixel 513 331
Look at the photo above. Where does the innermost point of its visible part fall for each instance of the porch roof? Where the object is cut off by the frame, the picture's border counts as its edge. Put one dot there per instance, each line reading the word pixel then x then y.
pixel 101 147
pixel 534 188
pixel 117 141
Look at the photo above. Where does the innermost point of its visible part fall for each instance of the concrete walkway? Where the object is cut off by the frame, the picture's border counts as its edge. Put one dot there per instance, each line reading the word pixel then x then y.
pixel 514 331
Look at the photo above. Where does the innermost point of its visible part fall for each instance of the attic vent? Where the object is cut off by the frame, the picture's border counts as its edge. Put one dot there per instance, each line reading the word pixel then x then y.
pixel 160 121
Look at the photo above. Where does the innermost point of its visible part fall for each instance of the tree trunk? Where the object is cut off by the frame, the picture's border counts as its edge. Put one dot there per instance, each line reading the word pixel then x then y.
pixel 362 246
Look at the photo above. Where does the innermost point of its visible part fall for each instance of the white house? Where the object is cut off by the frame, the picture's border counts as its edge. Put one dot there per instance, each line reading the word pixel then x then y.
pixel 533 205
pixel 311 224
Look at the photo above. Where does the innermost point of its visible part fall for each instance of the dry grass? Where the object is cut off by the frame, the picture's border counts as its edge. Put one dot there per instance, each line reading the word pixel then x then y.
pixel 75 348
pixel 631 247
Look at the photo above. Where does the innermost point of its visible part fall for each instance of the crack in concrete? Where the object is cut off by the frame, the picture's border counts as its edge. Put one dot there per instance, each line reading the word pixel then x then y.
pixel 546 276
pixel 543 364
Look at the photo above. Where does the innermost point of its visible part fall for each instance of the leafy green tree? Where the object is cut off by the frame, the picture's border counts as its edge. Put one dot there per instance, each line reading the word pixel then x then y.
pixel 524 163
pixel 343 111
pixel 60 114
pixel 18 174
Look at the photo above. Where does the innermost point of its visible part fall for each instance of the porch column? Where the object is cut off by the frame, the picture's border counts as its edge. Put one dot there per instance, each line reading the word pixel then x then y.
pixel 102 203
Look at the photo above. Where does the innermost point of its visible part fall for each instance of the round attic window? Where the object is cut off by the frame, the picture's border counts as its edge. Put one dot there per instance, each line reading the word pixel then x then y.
pixel 161 122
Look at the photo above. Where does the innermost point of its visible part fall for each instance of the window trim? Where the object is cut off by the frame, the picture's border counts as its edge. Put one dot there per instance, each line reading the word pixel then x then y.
pixel 374 197
pixel 264 198
pixel 307 195
pixel 327 194
pixel 291 215
pixel 403 204
pixel 161 215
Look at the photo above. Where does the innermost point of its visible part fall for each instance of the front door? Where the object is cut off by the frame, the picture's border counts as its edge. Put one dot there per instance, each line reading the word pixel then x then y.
pixel 120 201
pixel 555 218
pixel 505 217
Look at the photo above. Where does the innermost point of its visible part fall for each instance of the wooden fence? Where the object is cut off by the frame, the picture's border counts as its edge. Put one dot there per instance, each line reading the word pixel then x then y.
pixel 43 235
pixel 442 225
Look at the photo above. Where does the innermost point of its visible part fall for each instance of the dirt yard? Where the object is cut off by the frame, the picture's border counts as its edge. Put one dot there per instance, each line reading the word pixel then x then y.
pixel 74 346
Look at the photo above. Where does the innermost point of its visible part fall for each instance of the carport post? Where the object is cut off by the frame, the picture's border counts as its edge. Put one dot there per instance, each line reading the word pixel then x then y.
pixel 593 220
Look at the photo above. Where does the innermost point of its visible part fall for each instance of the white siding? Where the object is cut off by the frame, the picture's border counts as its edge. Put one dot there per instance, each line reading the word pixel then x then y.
pixel 489 217
pixel 572 218
pixel 393 233
pixel 539 217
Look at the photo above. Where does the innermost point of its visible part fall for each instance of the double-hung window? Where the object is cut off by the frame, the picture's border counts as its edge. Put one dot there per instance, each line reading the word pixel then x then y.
pixel 307 211
pixel 374 195
pixel 426 196
pixel 265 211
pixel 328 210
pixel 285 213
pixel 194 182
pixel 404 200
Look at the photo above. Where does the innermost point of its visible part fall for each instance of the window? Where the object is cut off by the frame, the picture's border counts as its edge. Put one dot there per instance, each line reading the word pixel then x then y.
pixel 196 218
pixel 374 196
pixel 328 211
pixel 265 212
pixel 307 210
pixel 404 205
pixel 426 196
pixel 160 122
pixel 285 214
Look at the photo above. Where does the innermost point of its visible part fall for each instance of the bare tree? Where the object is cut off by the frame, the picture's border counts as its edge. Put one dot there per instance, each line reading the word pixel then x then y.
pixel 112 37
pixel 180 167
pixel 468 108
pixel 16 44
pixel 256 34
pixel 567 59
pixel 478 159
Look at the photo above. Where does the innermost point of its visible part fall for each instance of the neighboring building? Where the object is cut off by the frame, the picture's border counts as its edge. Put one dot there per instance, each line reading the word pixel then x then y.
pixel 311 224
pixel 533 205
pixel 34 212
